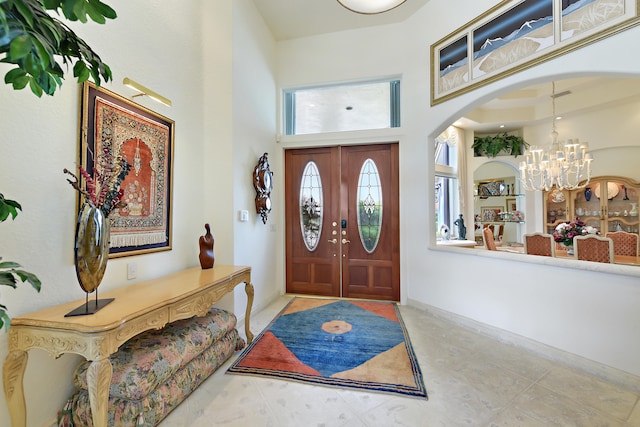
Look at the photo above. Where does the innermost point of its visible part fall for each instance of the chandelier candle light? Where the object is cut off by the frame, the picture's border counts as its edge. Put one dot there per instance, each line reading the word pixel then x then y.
pixel 565 165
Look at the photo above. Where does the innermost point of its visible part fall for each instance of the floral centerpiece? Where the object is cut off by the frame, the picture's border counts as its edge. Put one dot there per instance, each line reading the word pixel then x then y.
pixel 103 190
pixel 566 231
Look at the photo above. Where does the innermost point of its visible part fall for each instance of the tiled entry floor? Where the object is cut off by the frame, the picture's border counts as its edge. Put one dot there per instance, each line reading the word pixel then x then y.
pixel 472 380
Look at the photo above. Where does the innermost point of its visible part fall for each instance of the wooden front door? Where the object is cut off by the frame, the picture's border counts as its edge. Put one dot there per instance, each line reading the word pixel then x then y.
pixel 342 221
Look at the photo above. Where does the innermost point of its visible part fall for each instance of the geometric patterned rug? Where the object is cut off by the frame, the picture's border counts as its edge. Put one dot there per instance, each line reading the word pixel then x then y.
pixel 361 345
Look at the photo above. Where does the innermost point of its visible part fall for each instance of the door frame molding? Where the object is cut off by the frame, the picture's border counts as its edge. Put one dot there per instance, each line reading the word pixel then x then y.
pixel 392 162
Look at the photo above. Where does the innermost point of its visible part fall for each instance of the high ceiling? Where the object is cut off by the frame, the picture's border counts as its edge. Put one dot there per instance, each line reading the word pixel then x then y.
pixel 289 19
pixel 533 104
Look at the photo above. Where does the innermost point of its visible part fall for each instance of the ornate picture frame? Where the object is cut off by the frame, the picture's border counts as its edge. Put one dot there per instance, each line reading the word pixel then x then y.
pixel 518 34
pixel 145 139
pixel 490 213
pixel 491 188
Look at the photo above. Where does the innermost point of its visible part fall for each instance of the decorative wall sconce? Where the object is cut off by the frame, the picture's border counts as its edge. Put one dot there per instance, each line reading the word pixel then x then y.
pixel 145 91
pixel 263 183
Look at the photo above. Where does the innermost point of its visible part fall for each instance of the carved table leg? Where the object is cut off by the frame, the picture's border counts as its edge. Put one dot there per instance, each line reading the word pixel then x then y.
pixel 98 383
pixel 248 288
pixel 12 376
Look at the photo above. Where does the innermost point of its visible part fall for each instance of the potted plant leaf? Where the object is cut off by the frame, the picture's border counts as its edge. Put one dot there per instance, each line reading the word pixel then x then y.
pixel 11 272
pixel 491 146
pixel 35 41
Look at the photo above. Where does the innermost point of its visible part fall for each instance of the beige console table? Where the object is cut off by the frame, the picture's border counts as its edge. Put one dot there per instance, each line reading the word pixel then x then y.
pixel 136 308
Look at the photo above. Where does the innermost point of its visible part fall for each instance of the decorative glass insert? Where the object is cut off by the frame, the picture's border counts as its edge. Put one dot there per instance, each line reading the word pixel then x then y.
pixel 369 205
pixel 311 208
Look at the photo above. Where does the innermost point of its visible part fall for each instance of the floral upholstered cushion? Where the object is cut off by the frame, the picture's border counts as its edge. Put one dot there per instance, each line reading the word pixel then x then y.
pixel 164 398
pixel 151 358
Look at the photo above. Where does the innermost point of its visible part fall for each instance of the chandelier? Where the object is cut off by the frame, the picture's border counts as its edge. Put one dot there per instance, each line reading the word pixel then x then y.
pixel 370 7
pixel 563 164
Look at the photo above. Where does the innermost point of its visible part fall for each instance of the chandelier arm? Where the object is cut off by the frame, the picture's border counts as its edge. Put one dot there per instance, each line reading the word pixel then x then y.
pixel 563 166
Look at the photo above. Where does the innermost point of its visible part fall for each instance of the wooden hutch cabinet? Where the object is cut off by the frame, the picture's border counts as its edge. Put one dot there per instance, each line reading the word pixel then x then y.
pixel 608 203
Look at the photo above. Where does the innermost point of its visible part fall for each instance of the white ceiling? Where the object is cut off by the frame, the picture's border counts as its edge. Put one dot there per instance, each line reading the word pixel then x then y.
pixel 289 19
pixel 533 104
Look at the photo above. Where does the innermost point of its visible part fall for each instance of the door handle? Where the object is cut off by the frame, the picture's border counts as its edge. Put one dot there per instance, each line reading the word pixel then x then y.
pixel 334 241
pixel 344 241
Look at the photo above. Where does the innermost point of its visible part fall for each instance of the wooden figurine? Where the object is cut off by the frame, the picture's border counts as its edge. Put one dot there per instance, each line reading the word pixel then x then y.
pixel 207 258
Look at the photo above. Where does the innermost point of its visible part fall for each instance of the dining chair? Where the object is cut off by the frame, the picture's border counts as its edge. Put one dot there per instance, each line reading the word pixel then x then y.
pixel 489 241
pixel 593 248
pixel 539 244
pixel 496 229
pixel 624 243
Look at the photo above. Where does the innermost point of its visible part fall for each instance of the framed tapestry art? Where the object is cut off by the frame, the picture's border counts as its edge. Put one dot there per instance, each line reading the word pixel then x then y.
pixel 113 124
pixel 518 34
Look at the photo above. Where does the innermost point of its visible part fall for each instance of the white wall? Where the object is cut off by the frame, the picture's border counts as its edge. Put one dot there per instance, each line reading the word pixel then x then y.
pixel 166 49
pixel 254 133
pixel 593 315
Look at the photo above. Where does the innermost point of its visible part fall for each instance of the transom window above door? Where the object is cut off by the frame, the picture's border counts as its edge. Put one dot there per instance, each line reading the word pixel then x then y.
pixel 347 107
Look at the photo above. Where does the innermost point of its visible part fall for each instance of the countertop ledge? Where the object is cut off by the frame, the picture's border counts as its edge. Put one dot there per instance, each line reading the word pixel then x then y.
pixel 600 267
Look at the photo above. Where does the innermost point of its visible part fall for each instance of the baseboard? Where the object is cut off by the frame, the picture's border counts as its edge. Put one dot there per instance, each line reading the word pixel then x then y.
pixel 599 370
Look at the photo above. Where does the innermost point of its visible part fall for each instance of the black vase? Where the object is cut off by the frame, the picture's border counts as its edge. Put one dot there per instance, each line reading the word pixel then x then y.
pixel 587 193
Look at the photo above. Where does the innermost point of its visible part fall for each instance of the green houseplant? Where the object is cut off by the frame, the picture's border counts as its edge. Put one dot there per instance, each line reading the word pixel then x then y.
pixel 10 272
pixel 35 41
pixel 491 146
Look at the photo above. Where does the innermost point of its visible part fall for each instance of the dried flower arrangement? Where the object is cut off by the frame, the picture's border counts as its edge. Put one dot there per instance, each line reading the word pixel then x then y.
pixel 103 189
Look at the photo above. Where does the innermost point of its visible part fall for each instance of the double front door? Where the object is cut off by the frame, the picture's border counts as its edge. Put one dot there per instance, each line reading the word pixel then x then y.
pixel 342 222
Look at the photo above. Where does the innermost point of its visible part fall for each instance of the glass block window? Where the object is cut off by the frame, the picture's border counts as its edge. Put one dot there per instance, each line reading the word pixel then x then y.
pixel 356 106
pixel 311 209
pixel 369 205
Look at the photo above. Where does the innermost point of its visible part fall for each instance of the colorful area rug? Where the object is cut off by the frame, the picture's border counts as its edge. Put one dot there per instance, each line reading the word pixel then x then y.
pixel 361 345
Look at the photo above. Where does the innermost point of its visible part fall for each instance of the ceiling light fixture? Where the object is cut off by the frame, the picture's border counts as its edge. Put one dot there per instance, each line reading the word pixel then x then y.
pixel 565 165
pixel 146 91
pixel 370 7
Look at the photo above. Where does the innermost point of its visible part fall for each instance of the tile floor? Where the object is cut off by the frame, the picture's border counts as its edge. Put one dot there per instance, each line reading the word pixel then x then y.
pixel 471 380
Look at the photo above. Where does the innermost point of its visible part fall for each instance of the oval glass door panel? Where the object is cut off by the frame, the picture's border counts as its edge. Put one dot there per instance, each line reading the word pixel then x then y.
pixel 311 208
pixel 369 205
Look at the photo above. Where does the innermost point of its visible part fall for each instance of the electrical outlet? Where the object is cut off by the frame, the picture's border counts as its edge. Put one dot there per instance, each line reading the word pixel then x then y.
pixel 132 270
